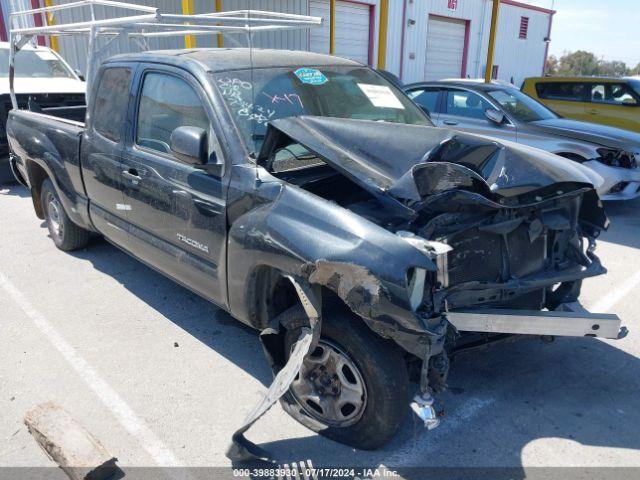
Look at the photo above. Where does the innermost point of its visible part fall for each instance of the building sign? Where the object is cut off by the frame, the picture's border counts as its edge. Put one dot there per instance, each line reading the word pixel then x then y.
pixel 452 4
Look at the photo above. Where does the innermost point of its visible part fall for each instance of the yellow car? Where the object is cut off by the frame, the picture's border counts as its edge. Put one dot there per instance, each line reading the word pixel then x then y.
pixel 609 101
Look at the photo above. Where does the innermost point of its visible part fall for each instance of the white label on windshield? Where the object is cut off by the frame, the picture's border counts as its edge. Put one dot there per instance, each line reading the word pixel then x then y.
pixel 381 96
pixel 46 55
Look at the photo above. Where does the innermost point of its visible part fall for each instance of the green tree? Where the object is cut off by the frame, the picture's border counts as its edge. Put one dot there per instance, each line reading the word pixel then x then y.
pixel 552 65
pixel 578 63
pixel 582 63
pixel 613 69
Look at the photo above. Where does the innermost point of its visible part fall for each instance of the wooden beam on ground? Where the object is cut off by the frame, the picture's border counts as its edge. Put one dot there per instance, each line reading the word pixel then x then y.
pixel 69 444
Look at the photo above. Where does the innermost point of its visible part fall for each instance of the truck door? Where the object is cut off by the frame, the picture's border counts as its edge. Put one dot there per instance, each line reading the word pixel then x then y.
pixel 176 213
pixel 102 147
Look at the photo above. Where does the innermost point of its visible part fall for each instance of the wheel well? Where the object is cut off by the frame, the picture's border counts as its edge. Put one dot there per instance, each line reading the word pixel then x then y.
pixel 572 156
pixel 273 293
pixel 37 175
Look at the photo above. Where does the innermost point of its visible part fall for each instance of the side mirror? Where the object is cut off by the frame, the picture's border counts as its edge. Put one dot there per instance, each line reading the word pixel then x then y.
pixel 495 116
pixel 189 145
pixel 79 74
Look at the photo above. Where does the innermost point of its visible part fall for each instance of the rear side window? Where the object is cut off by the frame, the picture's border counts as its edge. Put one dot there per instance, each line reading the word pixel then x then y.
pixel 612 94
pixel 111 102
pixel 466 104
pixel 425 97
pixel 166 103
pixel 570 91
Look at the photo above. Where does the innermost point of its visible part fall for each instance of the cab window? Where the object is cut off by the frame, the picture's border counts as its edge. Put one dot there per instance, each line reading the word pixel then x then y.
pixel 567 91
pixel 166 103
pixel 111 102
pixel 466 104
pixel 612 94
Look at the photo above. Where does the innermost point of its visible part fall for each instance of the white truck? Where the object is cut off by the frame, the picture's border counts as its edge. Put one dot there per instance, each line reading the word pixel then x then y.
pixel 46 82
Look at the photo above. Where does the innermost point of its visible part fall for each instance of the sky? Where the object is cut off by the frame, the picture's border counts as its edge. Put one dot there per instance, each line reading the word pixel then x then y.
pixel 608 28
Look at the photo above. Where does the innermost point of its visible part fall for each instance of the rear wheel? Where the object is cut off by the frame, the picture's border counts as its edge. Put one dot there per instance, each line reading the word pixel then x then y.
pixel 354 388
pixel 65 234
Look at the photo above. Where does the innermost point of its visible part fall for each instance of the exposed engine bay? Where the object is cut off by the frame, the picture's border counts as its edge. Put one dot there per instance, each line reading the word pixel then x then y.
pixel 528 248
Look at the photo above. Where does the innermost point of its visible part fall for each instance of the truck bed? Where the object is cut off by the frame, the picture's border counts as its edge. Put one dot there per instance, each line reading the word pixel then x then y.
pixel 53 143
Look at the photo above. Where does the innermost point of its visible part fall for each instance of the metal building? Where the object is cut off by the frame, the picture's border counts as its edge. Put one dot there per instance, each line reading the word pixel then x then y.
pixel 415 39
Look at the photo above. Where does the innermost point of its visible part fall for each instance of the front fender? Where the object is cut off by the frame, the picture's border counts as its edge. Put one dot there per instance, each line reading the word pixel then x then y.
pixel 301 234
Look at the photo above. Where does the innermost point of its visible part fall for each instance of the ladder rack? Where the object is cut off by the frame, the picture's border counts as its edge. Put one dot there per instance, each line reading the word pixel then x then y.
pixel 144 22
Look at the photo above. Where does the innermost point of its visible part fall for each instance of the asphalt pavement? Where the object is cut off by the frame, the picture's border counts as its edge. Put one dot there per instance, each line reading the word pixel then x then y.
pixel 163 378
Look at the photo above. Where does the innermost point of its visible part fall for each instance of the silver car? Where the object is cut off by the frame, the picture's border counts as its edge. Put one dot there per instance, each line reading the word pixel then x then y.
pixel 504 112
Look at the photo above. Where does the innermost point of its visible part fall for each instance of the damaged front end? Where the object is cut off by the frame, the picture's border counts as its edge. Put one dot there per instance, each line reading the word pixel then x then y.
pixel 620 172
pixel 446 231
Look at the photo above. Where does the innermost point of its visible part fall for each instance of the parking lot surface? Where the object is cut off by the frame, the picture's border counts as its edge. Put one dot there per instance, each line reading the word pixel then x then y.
pixel 162 377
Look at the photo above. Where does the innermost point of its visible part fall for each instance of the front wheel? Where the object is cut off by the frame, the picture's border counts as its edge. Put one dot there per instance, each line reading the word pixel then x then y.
pixel 354 388
pixel 66 235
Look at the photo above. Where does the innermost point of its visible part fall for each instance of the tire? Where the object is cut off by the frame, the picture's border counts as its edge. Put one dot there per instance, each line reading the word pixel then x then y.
pixel 66 235
pixel 379 365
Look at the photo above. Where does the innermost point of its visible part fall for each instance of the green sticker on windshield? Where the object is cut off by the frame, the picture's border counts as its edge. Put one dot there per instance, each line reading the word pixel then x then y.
pixel 311 76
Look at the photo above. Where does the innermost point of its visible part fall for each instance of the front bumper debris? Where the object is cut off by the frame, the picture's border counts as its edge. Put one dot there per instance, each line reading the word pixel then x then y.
pixel 422 406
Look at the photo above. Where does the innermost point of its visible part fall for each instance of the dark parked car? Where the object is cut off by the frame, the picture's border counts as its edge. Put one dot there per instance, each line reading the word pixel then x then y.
pixel 310 198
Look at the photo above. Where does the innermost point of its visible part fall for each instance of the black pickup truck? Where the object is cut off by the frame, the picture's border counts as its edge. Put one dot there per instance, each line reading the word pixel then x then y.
pixel 310 198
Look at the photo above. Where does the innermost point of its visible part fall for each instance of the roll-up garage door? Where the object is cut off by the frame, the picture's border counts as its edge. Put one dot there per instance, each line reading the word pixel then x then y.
pixel 445 48
pixel 353 27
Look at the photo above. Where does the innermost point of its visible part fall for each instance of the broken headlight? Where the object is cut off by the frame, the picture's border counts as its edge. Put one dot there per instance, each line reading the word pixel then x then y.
pixel 415 286
pixel 416 276
pixel 617 158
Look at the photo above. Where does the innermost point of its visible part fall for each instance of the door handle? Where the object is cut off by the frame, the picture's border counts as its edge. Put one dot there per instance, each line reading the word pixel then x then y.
pixel 450 122
pixel 592 112
pixel 132 174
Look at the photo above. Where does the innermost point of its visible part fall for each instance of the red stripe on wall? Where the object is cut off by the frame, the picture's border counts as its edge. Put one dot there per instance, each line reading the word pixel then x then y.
pixel 527 6
pixel 37 20
pixel 3 28
pixel 465 51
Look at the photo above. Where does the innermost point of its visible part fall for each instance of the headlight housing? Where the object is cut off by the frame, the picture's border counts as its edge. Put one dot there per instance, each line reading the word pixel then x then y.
pixel 416 277
pixel 617 158
pixel 415 286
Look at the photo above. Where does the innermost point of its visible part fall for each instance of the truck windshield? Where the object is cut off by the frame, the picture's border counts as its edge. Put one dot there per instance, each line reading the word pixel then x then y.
pixel 35 64
pixel 521 106
pixel 259 97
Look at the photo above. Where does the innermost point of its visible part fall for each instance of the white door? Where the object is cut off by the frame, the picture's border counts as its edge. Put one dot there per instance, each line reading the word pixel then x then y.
pixel 445 48
pixel 353 24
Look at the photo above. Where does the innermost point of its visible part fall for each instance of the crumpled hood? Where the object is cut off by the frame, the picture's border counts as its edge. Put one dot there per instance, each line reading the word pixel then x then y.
pixel 409 162
pixel 604 135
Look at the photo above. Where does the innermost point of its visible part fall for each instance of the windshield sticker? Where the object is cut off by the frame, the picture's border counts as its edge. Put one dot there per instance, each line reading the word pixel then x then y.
pixel 311 76
pixel 381 96
pixel 45 55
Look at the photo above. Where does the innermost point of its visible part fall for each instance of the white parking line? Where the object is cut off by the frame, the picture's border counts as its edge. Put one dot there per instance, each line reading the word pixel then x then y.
pixel 609 301
pixel 122 412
